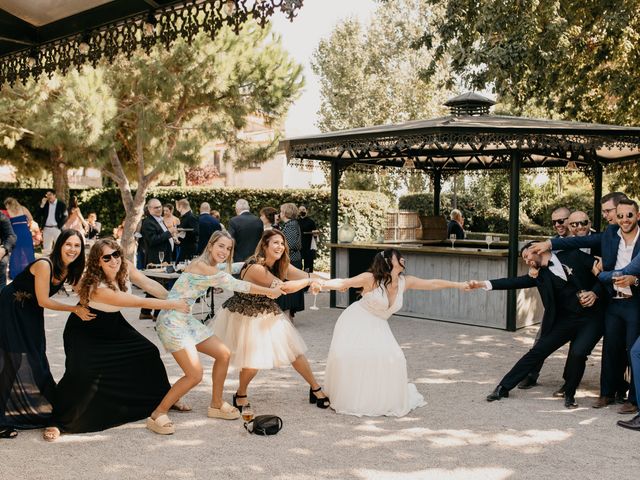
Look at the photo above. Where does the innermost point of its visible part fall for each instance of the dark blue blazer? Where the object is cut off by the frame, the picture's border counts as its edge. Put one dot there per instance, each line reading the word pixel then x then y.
pixel 608 242
pixel 207 224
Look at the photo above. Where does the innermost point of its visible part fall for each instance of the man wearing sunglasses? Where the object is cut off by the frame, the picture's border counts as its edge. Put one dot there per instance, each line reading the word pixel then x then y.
pixel 580 226
pixel 559 221
pixel 619 245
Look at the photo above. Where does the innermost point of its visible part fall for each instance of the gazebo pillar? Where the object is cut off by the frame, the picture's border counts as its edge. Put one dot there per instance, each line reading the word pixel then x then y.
pixel 333 224
pixel 597 194
pixel 514 224
pixel 437 188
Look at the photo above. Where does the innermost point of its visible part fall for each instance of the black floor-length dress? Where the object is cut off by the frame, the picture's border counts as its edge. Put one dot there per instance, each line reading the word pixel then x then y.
pixel 26 384
pixel 113 374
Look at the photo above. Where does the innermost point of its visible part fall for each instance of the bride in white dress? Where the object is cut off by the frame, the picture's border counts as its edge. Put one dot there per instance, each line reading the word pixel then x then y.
pixel 366 371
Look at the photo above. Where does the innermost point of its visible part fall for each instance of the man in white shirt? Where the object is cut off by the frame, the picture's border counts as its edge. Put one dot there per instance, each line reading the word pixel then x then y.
pixel 53 214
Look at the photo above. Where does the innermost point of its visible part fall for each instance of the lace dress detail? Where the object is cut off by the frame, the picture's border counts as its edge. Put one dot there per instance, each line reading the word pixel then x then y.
pixel 251 305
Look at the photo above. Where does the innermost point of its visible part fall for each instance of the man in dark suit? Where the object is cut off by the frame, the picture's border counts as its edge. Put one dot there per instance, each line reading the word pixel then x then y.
pixel 7 241
pixel 51 216
pixel 246 229
pixel 156 238
pixel 619 245
pixel 191 230
pixel 207 224
pixel 456 224
pixel 569 292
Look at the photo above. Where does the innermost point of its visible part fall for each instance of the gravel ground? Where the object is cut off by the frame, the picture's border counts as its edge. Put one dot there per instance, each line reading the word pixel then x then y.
pixel 458 435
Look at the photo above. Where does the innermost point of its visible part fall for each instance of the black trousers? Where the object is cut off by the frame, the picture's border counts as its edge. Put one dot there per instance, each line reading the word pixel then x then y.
pixel 563 331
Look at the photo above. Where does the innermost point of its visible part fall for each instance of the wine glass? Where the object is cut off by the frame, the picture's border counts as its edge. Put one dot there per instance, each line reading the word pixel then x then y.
pixel 315 299
pixel 161 257
pixel 488 239
pixel 452 239
pixel 615 275
pixel 247 412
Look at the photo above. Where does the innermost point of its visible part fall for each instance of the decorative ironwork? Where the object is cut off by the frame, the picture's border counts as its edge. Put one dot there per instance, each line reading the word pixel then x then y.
pixel 468 151
pixel 163 25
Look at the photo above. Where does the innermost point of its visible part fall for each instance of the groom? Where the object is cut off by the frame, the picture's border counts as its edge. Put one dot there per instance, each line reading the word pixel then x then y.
pixel 569 292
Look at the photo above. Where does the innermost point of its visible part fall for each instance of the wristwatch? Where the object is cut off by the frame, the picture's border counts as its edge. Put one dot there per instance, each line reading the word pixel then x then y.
pixel 637 282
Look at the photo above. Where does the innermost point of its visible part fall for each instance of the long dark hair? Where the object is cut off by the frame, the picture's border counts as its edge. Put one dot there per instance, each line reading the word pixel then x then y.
pixel 281 265
pixel 75 268
pixel 95 275
pixel 382 265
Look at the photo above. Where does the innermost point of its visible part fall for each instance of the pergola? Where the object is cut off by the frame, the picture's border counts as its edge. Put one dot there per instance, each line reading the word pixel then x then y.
pixel 43 36
pixel 470 139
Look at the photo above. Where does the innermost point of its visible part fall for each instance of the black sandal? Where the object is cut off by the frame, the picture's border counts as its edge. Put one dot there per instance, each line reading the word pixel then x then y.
pixel 235 403
pixel 8 432
pixel 321 402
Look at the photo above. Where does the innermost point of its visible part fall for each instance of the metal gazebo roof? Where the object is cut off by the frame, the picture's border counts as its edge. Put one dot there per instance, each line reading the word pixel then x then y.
pixel 472 142
pixel 41 36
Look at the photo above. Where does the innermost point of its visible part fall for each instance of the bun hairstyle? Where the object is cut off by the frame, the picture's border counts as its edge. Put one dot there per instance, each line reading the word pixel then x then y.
pixel 382 266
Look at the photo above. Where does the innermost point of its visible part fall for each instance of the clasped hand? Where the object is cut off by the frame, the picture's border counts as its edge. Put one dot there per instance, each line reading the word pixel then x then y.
pixel 84 313
pixel 624 281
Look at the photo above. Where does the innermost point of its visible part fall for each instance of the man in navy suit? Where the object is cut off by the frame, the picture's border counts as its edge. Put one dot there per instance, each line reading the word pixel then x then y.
pixel 619 245
pixel 570 294
pixel 246 229
pixel 207 224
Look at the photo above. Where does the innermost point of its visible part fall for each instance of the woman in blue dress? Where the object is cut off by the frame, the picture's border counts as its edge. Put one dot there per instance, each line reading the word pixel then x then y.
pixel 22 253
pixel 185 336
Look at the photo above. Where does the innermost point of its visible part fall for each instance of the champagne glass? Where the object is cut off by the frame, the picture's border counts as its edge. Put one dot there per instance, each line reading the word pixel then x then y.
pixel 488 239
pixel 452 239
pixel 615 275
pixel 247 412
pixel 315 298
pixel 161 257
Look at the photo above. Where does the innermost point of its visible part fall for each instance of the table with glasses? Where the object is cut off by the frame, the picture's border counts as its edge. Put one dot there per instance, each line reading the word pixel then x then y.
pixel 470 261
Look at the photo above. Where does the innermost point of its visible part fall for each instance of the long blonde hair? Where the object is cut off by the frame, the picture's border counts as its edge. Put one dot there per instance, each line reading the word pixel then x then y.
pixel 206 257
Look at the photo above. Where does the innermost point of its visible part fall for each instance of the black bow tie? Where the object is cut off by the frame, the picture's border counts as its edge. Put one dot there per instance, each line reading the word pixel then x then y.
pixel 550 264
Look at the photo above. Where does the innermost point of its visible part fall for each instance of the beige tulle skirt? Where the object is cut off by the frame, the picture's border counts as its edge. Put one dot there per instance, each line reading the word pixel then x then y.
pixel 262 342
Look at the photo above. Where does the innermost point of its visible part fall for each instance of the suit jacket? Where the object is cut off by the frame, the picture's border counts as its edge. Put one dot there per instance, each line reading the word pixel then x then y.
pixel 580 264
pixel 207 224
pixel 7 235
pixel 189 244
pixel 155 240
pixel 61 214
pixel 608 243
pixel 246 229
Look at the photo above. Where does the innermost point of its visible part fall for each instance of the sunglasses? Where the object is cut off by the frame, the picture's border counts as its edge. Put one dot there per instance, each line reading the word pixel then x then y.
pixel 107 258
pixel 559 221
pixel 582 223
pixel 628 215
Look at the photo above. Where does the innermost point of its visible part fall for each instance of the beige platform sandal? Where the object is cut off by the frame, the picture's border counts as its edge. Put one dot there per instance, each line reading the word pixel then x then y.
pixel 226 412
pixel 161 425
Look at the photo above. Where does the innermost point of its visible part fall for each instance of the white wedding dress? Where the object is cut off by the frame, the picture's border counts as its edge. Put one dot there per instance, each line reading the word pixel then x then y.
pixel 366 370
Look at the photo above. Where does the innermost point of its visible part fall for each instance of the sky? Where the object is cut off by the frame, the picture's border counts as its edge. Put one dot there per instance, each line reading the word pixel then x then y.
pixel 315 21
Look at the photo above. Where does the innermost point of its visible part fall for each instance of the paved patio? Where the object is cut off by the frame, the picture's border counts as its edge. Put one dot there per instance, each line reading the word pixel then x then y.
pixel 458 435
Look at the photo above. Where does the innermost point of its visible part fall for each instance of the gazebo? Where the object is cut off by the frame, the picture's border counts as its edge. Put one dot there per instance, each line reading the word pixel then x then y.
pixel 472 139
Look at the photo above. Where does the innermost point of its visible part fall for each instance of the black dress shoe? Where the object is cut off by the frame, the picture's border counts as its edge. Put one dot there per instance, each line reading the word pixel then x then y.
pixel 621 398
pixel 633 424
pixel 560 392
pixel 528 382
pixel 498 393
pixel 570 402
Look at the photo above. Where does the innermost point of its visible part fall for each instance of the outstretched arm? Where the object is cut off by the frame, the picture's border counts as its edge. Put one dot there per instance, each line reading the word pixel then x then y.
pixel 123 299
pixel 415 283
pixel 364 280
pixel 145 283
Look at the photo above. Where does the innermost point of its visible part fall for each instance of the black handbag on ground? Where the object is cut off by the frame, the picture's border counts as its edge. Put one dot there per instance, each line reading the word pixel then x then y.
pixel 264 425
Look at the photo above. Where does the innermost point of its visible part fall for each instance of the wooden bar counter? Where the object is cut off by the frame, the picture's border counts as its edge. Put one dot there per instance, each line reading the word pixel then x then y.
pixel 486 309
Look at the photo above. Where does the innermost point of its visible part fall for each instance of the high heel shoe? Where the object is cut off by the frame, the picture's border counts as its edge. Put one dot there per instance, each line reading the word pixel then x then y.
pixel 321 402
pixel 235 403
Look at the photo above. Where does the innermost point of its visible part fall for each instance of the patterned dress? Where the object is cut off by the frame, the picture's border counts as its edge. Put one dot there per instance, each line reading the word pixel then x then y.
pixel 178 330
pixel 294 302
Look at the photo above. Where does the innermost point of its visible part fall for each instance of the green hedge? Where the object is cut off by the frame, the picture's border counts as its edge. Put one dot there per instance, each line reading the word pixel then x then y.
pixel 365 210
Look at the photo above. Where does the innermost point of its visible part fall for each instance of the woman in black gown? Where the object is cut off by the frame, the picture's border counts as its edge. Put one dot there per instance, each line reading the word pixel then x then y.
pixel 113 374
pixel 26 384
